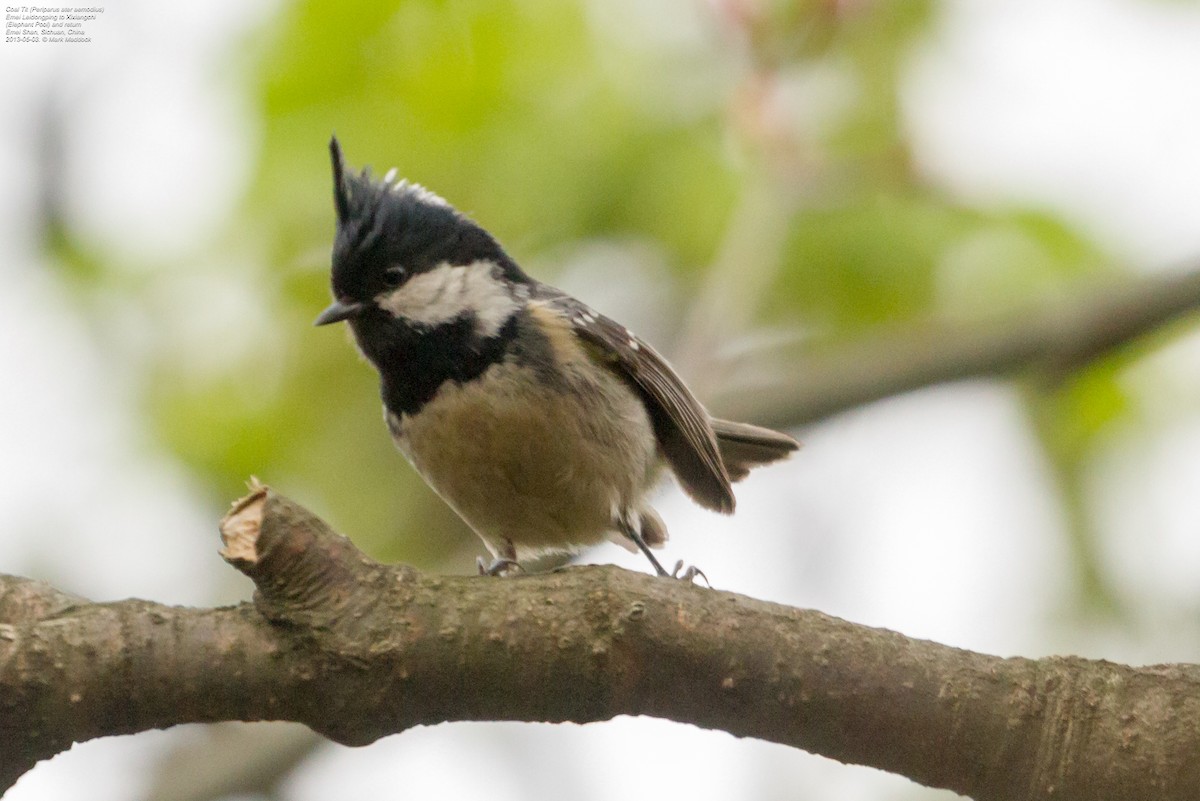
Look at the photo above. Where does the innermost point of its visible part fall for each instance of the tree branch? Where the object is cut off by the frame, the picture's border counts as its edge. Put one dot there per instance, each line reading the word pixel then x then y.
pixel 1050 340
pixel 358 650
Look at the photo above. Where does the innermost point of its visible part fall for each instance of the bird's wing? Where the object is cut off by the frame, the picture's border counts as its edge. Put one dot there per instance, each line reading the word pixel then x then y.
pixel 681 425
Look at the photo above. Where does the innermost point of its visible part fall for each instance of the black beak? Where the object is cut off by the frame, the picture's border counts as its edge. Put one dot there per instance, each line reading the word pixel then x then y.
pixel 339 310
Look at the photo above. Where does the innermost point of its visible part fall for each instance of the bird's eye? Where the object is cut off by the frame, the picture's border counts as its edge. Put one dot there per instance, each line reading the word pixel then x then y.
pixel 394 276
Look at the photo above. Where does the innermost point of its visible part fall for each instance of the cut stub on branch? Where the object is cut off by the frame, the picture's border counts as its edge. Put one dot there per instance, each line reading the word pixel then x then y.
pixel 240 527
pixel 299 564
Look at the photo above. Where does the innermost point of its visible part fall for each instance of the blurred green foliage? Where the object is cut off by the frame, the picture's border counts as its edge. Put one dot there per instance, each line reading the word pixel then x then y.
pixel 553 123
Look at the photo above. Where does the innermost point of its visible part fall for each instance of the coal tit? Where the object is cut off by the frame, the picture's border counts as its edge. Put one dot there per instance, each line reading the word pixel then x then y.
pixel 541 422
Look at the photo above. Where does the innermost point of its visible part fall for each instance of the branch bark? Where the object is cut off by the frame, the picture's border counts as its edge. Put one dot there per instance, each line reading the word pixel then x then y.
pixel 357 650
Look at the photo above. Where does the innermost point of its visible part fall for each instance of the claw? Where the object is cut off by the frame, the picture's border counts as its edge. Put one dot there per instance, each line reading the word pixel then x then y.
pixel 689 575
pixel 498 566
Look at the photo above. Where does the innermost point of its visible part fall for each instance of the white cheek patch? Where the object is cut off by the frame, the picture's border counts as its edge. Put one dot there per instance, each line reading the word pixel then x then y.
pixel 447 292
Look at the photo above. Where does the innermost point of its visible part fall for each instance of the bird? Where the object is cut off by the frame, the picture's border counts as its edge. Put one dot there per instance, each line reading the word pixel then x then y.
pixel 542 423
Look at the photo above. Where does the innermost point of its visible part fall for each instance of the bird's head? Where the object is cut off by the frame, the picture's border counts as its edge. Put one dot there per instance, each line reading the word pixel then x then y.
pixel 402 251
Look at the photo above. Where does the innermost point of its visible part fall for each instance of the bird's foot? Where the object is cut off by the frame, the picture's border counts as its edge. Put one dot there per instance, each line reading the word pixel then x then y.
pixel 497 567
pixel 689 574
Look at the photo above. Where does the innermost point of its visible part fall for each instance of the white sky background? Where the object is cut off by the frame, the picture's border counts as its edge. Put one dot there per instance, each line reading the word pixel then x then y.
pixel 1089 107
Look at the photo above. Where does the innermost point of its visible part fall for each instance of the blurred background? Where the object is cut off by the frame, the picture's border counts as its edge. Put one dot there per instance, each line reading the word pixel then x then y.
pixel 749 184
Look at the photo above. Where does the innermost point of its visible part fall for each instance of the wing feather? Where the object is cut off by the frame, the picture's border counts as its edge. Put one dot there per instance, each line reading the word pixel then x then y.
pixel 682 426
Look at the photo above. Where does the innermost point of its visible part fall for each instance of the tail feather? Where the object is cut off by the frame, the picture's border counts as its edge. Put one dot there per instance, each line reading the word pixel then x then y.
pixel 744 446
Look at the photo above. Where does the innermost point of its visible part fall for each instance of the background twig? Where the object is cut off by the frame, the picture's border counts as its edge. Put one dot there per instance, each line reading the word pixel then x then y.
pixel 1049 341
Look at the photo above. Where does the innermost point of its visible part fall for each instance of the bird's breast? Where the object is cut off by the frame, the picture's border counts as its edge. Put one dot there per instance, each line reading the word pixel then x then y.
pixel 542 464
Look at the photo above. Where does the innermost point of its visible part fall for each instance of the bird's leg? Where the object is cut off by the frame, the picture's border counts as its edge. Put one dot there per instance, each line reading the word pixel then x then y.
pixel 640 542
